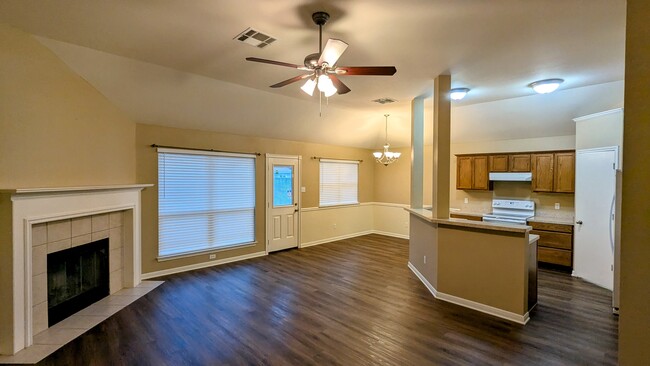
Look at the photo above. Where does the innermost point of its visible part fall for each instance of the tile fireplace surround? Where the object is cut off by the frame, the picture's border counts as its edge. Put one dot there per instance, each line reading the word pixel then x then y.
pixel 35 222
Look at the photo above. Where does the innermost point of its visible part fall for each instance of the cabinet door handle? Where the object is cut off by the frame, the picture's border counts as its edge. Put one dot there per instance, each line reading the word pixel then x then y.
pixel 579 222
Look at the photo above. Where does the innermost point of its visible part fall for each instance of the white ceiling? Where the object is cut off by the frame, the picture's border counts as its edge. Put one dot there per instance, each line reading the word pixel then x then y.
pixel 175 63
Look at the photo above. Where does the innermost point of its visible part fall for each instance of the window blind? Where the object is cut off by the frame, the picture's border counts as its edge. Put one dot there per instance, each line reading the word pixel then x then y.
pixel 205 201
pixel 339 182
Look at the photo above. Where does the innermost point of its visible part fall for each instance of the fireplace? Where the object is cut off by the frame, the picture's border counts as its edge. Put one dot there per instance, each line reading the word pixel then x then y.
pixel 76 278
pixel 37 222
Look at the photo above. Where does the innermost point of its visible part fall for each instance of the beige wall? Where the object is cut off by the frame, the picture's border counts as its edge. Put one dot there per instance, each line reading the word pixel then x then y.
pixel 147 172
pixel 393 182
pixel 57 130
pixel 635 236
pixel 600 131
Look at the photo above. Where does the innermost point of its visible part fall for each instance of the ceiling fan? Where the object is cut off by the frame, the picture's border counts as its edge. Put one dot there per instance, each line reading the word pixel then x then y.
pixel 321 66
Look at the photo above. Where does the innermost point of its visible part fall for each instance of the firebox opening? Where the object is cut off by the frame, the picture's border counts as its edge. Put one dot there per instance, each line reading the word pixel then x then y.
pixel 76 278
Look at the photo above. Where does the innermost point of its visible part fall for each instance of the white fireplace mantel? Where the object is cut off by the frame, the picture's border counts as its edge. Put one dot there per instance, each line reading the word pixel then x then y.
pixel 32 206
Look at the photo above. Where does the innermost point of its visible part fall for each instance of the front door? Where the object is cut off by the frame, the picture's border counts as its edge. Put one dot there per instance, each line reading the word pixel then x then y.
pixel 282 202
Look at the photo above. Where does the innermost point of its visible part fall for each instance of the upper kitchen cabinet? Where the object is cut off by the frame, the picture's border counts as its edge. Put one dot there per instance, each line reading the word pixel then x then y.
pixel 498 163
pixel 519 163
pixel 553 172
pixel 509 163
pixel 564 172
pixel 472 172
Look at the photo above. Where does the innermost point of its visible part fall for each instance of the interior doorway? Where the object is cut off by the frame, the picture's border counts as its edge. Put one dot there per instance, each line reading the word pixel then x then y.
pixel 282 202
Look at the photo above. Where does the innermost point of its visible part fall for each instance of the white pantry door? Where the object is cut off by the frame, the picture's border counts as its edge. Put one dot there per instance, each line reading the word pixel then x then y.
pixel 282 202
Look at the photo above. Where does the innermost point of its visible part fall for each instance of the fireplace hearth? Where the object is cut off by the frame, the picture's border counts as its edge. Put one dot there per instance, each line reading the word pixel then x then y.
pixel 76 278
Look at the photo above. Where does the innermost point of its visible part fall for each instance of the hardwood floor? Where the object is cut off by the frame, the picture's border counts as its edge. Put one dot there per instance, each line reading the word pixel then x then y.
pixel 352 302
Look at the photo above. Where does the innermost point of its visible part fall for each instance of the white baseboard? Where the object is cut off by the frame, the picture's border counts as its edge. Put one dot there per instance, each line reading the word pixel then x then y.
pixel 165 272
pixel 335 238
pixel 503 314
pixel 426 283
pixel 386 233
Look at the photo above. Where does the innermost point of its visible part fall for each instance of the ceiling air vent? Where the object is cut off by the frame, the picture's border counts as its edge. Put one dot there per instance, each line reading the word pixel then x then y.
pixel 385 100
pixel 254 38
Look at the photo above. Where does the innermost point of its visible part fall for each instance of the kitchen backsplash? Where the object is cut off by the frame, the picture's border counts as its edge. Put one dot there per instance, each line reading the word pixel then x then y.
pixel 481 201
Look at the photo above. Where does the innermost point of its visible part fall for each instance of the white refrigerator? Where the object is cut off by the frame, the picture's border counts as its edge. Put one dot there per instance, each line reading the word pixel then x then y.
pixel 597 227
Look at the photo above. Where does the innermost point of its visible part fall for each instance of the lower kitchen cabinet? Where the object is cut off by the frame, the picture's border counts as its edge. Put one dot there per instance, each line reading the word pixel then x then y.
pixel 465 217
pixel 555 245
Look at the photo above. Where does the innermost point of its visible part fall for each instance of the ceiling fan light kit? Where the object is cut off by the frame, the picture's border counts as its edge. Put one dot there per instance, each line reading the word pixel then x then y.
pixel 322 68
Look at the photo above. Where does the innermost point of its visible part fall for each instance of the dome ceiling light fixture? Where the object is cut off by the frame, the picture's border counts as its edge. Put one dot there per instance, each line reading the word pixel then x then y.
pixel 458 93
pixel 546 86
pixel 386 157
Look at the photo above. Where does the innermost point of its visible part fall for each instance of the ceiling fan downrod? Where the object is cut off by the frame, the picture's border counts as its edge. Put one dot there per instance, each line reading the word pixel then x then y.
pixel 320 18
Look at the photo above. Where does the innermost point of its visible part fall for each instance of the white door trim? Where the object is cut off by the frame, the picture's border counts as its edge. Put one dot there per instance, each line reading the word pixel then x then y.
pixel 269 196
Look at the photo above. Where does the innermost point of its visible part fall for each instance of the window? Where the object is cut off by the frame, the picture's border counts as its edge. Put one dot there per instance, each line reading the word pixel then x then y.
pixel 206 201
pixel 339 182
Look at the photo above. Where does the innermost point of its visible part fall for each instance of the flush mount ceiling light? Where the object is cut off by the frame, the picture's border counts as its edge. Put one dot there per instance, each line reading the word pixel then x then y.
pixel 458 93
pixel 546 86
pixel 386 157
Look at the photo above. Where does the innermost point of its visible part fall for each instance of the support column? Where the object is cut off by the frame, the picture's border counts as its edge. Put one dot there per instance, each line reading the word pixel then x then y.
pixel 417 152
pixel 441 146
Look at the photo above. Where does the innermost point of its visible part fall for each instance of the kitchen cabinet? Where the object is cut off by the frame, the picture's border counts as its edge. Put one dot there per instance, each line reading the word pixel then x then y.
pixel 466 217
pixel 509 163
pixel 498 163
pixel 519 163
pixel 542 169
pixel 564 172
pixel 555 245
pixel 553 172
pixel 472 172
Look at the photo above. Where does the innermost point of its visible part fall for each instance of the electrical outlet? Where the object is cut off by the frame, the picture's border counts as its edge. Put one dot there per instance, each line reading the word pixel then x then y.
pixel 557 205
pixel 425 259
pixel 334 226
pixel 213 256
pixel 466 200
pixel 303 189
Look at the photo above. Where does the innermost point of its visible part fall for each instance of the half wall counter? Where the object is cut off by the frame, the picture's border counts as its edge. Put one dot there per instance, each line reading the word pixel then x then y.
pixel 489 267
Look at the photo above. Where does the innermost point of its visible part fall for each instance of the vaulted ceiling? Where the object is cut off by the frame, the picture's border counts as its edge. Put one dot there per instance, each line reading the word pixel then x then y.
pixel 175 63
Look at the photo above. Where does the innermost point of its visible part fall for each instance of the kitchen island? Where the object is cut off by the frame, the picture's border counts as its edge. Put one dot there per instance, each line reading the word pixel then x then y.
pixel 489 267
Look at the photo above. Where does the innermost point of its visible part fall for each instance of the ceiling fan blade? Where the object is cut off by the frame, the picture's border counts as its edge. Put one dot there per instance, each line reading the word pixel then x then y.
pixel 289 81
pixel 366 70
pixel 332 51
pixel 279 63
pixel 338 84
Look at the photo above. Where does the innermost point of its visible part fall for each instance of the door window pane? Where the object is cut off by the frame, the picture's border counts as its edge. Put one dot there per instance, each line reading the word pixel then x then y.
pixel 282 185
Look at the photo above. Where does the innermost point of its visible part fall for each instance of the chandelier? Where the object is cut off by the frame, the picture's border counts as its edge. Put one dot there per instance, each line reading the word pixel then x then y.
pixel 386 157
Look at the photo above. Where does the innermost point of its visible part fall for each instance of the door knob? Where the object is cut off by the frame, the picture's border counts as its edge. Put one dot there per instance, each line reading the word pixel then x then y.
pixel 579 222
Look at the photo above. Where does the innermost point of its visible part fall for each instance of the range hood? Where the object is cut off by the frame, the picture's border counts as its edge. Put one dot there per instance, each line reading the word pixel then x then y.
pixel 511 177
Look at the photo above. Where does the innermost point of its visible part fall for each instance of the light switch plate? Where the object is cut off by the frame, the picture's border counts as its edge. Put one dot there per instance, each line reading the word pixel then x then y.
pixel 303 189
pixel 557 205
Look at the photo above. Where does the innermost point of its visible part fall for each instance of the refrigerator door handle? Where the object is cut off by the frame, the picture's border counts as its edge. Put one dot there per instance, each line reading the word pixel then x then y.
pixel 611 223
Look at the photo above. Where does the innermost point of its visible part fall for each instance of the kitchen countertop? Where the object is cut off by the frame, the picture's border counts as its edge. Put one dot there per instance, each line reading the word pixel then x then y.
pixel 427 215
pixel 552 220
